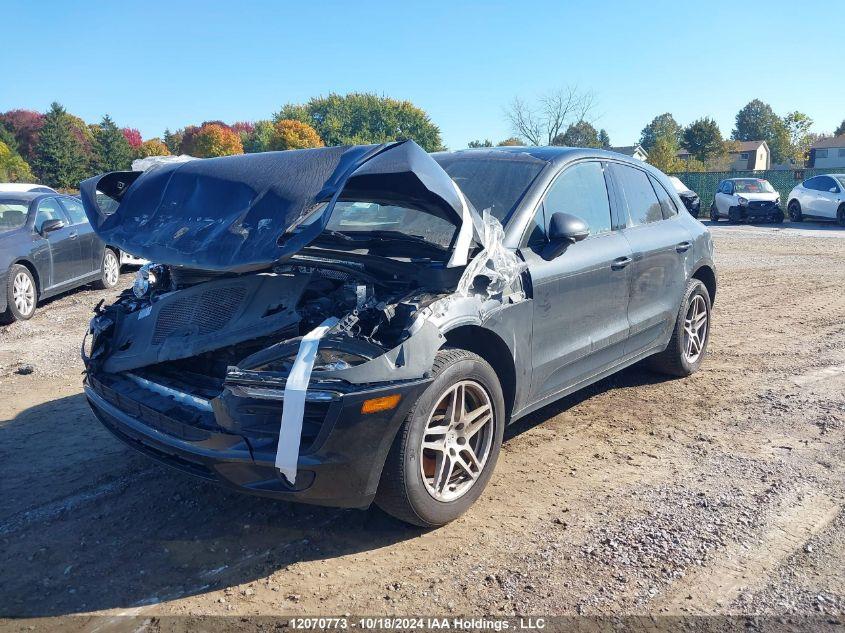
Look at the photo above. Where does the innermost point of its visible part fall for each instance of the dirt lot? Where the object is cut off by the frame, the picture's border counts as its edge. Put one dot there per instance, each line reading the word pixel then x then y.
pixel 718 494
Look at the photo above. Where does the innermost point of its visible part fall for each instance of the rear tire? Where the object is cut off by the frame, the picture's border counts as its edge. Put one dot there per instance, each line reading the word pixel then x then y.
pixel 681 357
pixel 409 488
pixel 109 270
pixel 21 294
pixel 794 209
pixel 714 213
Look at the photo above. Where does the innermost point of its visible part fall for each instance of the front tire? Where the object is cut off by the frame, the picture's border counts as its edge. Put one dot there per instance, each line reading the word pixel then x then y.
pixel 109 271
pixel 21 294
pixel 446 450
pixel 794 209
pixel 688 345
pixel 840 215
pixel 714 213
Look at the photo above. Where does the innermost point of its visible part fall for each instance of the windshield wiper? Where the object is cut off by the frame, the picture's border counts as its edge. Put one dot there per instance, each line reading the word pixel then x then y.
pixel 404 237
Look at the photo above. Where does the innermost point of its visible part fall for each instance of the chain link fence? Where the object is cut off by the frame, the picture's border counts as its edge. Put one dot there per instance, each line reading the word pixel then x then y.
pixel 705 183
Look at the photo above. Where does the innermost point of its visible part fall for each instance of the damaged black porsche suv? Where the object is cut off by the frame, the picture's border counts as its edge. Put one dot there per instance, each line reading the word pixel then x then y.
pixel 349 325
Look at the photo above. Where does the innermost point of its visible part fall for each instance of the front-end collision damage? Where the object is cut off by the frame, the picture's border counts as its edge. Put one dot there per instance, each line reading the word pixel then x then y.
pixel 271 338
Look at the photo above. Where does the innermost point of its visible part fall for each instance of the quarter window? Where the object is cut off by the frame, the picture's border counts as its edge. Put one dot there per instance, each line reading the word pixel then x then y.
pixel 75 210
pixel 667 205
pixel 581 191
pixel 638 195
pixel 48 209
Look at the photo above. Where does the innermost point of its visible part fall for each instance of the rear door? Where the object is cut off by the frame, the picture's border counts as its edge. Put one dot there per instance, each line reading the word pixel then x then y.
pixel 64 247
pixel 581 296
pixel 828 196
pixel 660 245
pixel 90 246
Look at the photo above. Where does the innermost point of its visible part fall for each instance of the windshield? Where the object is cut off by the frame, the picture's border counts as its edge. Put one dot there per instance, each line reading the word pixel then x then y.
pixel 752 185
pixel 12 214
pixel 841 180
pixel 496 183
pixel 368 217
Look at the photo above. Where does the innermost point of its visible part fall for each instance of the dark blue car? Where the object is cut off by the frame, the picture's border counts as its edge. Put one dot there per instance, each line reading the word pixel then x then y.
pixel 47 246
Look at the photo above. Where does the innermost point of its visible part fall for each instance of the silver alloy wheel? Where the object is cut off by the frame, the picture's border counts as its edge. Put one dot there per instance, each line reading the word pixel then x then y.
pixel 111 268
pixel 457 441
pixel 695 329
pixel 23 294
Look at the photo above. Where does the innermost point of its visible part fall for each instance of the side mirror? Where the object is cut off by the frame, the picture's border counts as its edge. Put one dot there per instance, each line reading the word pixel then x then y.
pixel 833 190
pixel 51 225
pixel 564 229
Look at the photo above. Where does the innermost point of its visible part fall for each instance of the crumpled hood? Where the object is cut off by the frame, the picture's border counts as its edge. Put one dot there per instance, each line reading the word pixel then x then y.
pixel 233 213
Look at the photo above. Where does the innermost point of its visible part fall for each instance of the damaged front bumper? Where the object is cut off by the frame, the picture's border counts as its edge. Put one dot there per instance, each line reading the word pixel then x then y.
pixel 232 439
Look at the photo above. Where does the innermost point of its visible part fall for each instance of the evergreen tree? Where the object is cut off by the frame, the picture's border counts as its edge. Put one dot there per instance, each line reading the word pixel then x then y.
pixel 60 159
pixel 112 151
pixel 173 140
pixel 604 139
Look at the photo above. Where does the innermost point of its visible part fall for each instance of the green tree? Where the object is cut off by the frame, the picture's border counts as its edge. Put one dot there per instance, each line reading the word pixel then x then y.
pixel 261 137
pixel 359 118
pixel 703 139
pixel 112 151
pixel 840 129
pixel 604 139
pixel 758 122
pixel 476 144
pixel 660 126
pixel 664 154
pixel 798 127
pixel 580 134
pixel 173 140
pixel 60 159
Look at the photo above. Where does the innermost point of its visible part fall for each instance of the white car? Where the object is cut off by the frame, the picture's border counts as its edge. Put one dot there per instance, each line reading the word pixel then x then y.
pixel 746 200
pixel 20 187
pixel 820 198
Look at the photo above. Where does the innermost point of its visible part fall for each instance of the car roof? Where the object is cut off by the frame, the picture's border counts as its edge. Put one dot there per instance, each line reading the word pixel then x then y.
pixel 21 187
pixel 547 153
pixel 27 196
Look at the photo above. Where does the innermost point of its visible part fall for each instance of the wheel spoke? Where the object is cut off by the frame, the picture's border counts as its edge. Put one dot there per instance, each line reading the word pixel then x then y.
pixel 478 418
pixel 444 469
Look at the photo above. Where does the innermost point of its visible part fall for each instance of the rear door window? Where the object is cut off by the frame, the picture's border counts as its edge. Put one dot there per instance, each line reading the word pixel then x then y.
pixel 637 195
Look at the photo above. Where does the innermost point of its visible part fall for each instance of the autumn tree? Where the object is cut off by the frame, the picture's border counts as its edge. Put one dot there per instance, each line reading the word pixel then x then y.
pixel 13 168
pixel 60 159
pixel 541 122
pixel 360 118
pixel 112 151
pixel 152 147
pixel 210 140
pixel 291 134
pixel 513 141
pixel 703 139
pixel 24 126
pixel 660 126
pixel 133 137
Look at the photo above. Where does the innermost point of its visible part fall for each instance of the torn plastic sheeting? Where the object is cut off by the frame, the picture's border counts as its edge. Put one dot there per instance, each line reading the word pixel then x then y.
pixel 290 430
pixel 496 262
pixel 143 164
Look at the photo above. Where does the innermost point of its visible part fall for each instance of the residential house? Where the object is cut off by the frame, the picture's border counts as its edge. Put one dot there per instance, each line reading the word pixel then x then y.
pixel 748 156
pixel 636 151
pixel 828 153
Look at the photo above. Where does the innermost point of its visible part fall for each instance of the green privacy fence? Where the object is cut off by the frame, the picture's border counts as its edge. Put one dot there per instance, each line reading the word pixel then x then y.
pixel 705 183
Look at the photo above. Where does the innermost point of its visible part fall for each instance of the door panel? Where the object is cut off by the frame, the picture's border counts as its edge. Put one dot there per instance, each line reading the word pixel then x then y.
pixel 580 296
pixel 89 253
pixel 65 253
pixel 659 249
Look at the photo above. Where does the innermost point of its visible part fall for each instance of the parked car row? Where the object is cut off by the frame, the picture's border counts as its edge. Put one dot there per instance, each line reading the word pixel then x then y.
pixel 47 247
pixel 819 198
pixel 746 200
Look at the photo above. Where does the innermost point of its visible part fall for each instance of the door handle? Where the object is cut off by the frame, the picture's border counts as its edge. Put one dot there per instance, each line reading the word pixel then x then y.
pixel 683 247
pixel 620 262
pixel 73 235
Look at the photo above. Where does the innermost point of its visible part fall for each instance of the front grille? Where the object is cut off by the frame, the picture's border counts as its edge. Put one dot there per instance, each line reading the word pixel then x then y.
pixel 156 419
pixel 761 204
pixel 211 312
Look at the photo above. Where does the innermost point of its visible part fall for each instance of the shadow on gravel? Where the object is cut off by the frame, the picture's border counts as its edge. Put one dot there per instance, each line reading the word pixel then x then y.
pixel 88 524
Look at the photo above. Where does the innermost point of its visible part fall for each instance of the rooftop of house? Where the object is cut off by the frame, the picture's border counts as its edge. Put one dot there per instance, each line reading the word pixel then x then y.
pixel 831 141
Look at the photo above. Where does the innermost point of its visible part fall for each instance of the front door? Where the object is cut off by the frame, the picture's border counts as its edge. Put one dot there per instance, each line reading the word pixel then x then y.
pixel 91 254
pixel 64 249
pixel 660 245
pixel 580 296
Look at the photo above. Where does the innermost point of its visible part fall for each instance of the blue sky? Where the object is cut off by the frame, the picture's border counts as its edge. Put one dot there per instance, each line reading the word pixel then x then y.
pixel 152 64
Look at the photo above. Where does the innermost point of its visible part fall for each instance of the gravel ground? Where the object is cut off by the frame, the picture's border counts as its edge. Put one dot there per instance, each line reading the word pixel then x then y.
pixel 718 494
